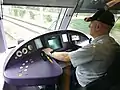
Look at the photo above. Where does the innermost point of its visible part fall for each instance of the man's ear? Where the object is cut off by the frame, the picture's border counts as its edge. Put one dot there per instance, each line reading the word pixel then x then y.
pixel 98 26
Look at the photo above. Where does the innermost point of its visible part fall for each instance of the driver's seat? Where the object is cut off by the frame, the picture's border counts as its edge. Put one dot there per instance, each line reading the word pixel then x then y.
pixel 113 72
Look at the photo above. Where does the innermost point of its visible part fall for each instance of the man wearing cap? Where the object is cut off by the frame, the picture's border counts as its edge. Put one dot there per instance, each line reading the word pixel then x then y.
pixel 92 61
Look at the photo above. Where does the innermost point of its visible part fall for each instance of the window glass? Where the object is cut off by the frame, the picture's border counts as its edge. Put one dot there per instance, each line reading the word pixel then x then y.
pixel 78 23
pixel 115 32
pixel 25 22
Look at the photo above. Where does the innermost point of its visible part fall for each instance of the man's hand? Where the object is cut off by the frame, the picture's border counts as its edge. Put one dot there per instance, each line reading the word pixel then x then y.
pixel 61 56
pixel 47 50
pixel 112 3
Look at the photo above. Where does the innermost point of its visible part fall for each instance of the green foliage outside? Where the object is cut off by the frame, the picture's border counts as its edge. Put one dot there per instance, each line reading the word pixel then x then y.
pixel 18 12
pixel 15 12
pixel 32 15
pixel 117 26
pixel 80 24
pixel 22 13
pixel 48 18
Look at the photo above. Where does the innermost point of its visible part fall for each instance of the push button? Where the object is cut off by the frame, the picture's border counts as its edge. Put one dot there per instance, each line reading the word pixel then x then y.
pixel 26 61
pixel 20 74
pixel 23 64
pixel 26 66
pixel 21 67
pixel 25 70
pixel 32 61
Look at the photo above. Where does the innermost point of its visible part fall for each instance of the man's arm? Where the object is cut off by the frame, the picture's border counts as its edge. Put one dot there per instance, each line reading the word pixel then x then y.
pixel 82 55
pixel 61 56
pixel 77 57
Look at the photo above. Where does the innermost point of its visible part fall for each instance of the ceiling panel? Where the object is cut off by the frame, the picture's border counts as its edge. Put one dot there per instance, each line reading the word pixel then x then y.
pixel 57 3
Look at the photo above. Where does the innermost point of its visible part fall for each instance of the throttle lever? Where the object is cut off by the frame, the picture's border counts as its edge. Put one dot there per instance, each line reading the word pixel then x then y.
pixel 45 57
pixel 42 53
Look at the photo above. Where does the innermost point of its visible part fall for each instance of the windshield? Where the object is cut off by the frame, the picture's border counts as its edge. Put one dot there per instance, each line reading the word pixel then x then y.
pixel 25 22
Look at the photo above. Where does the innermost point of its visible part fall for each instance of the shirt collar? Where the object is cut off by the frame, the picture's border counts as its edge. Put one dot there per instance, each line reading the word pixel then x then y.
pixel 99 38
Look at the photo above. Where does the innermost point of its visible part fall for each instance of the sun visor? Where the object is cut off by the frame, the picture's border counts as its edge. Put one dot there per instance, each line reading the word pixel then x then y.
pixel 91 5
pixel 53 3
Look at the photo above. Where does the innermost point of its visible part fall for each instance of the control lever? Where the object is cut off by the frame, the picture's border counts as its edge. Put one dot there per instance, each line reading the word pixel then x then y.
pixel 42 53
pixel 45 57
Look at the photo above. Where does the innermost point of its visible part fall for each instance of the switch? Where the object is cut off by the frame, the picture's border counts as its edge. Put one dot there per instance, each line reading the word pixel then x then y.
pixel 21 67
pixel 20 74
pixel 26 61
pixel 25 70
pixel 26 66
pixel 23 64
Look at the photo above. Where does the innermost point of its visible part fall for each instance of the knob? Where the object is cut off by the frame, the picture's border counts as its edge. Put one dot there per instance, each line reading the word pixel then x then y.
pixel 30 47
pixel 19 54
pixel 24 51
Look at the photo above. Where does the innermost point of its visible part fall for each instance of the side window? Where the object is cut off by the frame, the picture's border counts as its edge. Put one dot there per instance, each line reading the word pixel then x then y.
pixel 25 22
pixel 115 32
pixel 78 23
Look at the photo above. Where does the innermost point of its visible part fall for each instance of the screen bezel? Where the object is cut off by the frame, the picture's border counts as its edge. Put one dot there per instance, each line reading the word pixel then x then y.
pixel 54 37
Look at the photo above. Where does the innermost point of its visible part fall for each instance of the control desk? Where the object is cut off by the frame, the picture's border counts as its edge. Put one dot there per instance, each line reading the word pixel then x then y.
pixel 28 65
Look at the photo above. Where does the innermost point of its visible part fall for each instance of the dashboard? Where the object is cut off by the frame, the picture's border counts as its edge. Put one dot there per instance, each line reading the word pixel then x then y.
pixel 28 64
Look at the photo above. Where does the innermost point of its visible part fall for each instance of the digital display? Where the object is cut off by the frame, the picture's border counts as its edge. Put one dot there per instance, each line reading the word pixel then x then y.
pixel 75 37
pixel 38 43
pixel 54 43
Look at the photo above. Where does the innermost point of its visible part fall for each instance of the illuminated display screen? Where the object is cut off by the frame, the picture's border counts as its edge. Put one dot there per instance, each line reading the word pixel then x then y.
pixel 38 43
pixel 54 43
pixel 75 37
pixel 65 38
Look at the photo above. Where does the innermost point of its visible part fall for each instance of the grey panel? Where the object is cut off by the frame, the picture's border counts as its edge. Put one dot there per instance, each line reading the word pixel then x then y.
pixel 93 4
pixel 89 6
pixel 63 3
pixel 94 10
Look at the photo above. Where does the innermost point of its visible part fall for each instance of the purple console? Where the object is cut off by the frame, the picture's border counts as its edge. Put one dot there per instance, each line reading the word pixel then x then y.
pixel 33 70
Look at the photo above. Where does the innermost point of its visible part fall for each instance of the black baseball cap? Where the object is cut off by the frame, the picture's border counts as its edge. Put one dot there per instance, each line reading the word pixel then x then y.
pixel 104 16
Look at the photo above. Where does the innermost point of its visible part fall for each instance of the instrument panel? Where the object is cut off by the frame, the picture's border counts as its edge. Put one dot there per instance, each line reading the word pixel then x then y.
pixel 56 40
pixel 31 66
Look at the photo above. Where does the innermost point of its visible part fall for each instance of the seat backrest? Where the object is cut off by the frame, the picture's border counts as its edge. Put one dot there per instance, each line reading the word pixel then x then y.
pixel 113 72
